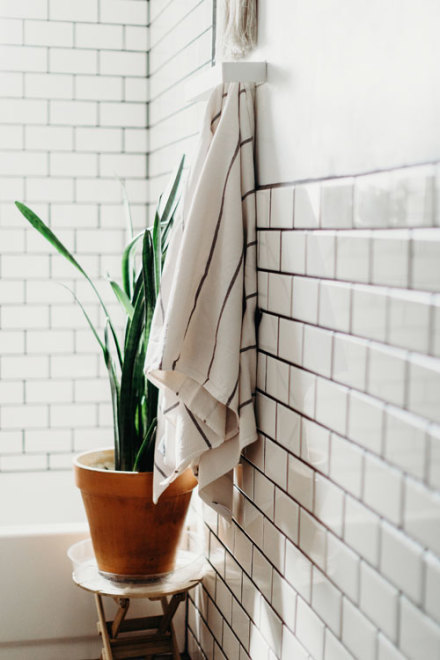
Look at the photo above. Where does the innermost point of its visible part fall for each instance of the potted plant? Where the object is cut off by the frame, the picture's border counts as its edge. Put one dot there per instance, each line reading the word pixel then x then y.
pixel 132 538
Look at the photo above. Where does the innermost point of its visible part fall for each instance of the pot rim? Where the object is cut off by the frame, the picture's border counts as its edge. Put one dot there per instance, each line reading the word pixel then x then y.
pixel 77 463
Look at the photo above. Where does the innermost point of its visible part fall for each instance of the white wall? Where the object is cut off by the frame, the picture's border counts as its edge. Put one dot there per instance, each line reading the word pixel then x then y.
pixel 72 117
pixel 352 87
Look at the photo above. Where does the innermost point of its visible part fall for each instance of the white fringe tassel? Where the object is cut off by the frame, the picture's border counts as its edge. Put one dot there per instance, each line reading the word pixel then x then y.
pixel 240 27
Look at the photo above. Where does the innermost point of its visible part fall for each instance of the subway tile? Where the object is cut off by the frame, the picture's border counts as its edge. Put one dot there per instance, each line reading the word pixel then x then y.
pixel 342 567
pixel 281 212
pixel 293 252
pixel 288 429
pixel 383 488
pixel 55 138
pixel 432 586
pixel 263 280
pixel 305 299
pixel 386 649
pixel 412 197
pixel 334 650
pixel 307 206
pixel 312 538
pixel 346 464
pixel 358 634
pixel 365 422
pixel 290 346
pixel 292 647
pixel 263 209
pixel 369 313
pixel 283 600
pixel 11 136
pixel 386 373
pixel 321 254
pixel 309 629
pixel 425 272
pixel 71 60
pixel 98 88
pixel 49 85
pixel 274 545
pixel 337 204
pixel 372 200
pixel 23 58
pixel 89 35
pixel 269 250
pixel 271 628
pixel 81 10
pixel 24 9
pixel 279 294
pixel 331 405
pixel 11 31
pixel 335 306
pixel 379 601
pixel 215 621
pixel 20 111
pixel 362 530
pixel 408 321
pixel 421 518
pixel 434 457
pixel 315 445
pixel 24 416
pixel 277 379
pixel 390 264
pixel 48 33
pixel 72 164
pixel 129 12
pixel 302 391
pixel 261 573
pixel 350 361
pixel 136 37
pixel 300 482
pixel 405 441
pixel 401 561
pixel 326 600
pixel 424 385
pixel 318 350
pixel 286 515
pixel 130 115
pixel 258 647
pixel 298 570
pixel 328 504
pixel 276 463
pixel 122 63
pixel 353 256
pixel 435 330
pixel 136 89
pixel 75 113
pixel 240 624
pixel 266 414
pixel 419 636
pixel 123 165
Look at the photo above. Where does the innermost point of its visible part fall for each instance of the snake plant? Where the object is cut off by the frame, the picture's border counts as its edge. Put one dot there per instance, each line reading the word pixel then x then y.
pixel 134 398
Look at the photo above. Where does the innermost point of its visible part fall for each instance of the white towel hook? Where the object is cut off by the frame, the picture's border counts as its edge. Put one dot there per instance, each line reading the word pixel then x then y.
pixel 199 88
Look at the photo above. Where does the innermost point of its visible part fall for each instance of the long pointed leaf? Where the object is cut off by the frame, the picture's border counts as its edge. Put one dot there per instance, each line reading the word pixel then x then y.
pixel 171 193
pixel 122 298
pixel 126 265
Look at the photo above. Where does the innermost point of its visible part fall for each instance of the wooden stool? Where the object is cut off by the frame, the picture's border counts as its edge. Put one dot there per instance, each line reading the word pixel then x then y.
pixel 144 636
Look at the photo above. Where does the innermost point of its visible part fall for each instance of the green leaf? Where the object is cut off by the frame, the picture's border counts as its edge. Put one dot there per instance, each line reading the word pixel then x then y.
pixel 147 447
pixel 114 390
pixel 170 195
pixel 126 264
pixel 122 298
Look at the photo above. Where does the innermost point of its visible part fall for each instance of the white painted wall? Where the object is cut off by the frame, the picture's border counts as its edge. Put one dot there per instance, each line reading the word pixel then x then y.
pixel 352 86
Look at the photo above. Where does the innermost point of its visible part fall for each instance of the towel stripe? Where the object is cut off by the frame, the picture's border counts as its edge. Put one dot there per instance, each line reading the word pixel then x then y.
pixel 197 425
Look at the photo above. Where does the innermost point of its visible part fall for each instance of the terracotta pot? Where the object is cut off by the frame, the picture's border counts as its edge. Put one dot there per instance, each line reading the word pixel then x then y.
pixel 132 537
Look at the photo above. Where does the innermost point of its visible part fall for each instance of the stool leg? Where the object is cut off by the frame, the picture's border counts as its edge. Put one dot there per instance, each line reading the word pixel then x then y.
pixel 106 651
pixel 169 609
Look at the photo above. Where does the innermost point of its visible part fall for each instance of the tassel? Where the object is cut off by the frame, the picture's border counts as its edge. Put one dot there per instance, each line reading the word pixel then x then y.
pixel 240 27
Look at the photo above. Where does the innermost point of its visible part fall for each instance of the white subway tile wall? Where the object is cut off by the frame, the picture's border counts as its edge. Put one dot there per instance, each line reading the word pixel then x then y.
pixel 337 536
pixel 67 117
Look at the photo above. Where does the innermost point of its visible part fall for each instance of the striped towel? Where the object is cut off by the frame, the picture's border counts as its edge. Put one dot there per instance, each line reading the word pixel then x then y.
pixel 202 348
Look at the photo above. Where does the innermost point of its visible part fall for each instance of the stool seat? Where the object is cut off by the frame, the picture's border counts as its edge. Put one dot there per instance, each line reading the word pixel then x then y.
pixel 144 636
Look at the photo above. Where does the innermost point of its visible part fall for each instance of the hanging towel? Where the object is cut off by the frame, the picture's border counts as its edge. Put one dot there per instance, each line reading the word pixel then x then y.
pixel 202 347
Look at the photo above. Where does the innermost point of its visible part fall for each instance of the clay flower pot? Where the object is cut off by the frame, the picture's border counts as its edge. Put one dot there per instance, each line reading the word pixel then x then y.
pixel 132 537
